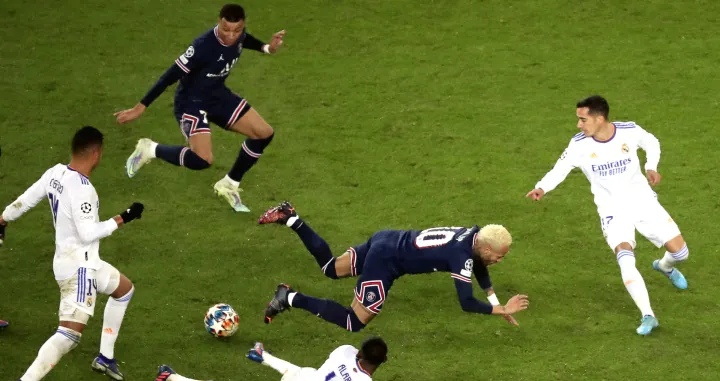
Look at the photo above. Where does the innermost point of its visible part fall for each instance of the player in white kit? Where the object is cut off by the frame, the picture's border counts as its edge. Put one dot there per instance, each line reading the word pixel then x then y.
pixel 607 154
pixel 346 363
pixel 78 269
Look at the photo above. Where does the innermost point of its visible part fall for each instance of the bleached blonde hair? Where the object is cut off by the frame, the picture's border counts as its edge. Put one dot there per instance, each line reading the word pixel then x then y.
pixel 496 236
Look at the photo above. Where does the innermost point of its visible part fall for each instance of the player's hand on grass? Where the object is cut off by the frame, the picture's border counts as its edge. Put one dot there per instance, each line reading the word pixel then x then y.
pixel 277 41
pixel 516 303
pixel 653 177
pixel 129 115
pixel 536 194
pixel 510 319
pixel 133 212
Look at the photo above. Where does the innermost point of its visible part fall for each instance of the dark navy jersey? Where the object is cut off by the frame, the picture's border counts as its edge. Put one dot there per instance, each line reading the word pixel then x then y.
pixel 207 63
pixel 445 249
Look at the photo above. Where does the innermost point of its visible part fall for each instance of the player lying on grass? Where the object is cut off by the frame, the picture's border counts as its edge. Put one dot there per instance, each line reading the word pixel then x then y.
pixel 390 254
pixel 606 152
pixel 80 273
pixel 202 97
pixel 346 363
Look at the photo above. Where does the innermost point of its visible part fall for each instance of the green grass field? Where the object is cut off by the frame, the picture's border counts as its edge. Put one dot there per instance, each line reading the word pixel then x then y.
pixel 388 114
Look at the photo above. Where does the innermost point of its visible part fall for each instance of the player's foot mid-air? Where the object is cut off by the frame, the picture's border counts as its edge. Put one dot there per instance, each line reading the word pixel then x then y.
pixel 201 98
pixel 606 152
pixel 390 254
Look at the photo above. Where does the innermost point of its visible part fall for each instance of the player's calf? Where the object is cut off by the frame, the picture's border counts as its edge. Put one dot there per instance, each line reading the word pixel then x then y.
pixel 58 345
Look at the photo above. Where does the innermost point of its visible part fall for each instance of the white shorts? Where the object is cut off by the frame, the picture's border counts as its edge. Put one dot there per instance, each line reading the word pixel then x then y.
pixel 301 374
pixel 78 293
pixel 647 216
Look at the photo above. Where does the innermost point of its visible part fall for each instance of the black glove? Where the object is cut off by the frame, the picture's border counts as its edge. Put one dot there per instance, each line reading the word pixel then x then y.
pixel 2 233
pixel 134 211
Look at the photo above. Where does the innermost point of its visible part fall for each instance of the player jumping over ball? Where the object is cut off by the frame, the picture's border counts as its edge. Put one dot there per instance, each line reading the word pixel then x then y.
pixel 79 271
pixel 344 363
pixel 390 254
pixel 606 152
pixel 202 97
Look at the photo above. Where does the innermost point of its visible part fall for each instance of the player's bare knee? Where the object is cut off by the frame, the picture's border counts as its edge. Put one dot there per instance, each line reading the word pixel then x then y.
pixel 263 131
pixel 676 244
pixel 125 286
pixel 623 246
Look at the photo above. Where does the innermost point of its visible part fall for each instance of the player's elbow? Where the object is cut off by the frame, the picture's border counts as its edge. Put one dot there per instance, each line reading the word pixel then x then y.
pixel 87 236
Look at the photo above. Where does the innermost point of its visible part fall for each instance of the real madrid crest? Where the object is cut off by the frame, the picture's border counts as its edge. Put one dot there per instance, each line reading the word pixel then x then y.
pixel 625 148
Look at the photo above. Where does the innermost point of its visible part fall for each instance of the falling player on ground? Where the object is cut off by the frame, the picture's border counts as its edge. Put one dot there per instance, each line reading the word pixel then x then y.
pixel 607 154
pixel 390 254
pixel 202 97
pixel 78 269
pixel 346 363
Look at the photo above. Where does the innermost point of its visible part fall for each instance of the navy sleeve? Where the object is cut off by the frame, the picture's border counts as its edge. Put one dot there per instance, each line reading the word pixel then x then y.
pixel 482 276
pixel 461 271
pixel 252 43
pixel 172 75
pixel 468 301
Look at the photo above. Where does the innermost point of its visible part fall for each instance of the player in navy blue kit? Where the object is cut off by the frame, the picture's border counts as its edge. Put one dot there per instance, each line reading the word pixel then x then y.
pixel 390 254
pixel 202 97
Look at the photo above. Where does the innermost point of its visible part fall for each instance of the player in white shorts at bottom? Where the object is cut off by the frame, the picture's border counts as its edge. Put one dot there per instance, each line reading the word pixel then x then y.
pixel 606 152
pixel 78 269
pixel 346 363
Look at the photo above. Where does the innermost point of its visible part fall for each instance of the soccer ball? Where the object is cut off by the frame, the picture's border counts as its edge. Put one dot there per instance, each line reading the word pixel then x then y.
pixel 221 320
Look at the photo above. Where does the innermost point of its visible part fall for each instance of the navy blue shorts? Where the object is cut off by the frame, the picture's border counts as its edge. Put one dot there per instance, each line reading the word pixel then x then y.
pixel 224 110
pixel 374 262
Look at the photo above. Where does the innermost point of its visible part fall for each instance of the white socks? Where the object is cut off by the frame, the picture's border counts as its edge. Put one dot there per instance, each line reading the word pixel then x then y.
pixel 114 314
pixel 281 366
pixel 634 282
pixel 235 184
pixel 291 221
pixel 153 147
pixel 291 296
pixel 177 377
pixel 669 260
pixel 59 344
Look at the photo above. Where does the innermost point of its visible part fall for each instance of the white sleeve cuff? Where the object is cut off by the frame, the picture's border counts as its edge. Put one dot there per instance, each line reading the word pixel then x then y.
pixel 266 49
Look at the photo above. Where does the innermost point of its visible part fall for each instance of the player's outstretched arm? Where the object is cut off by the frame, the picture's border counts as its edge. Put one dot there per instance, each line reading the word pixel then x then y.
pixel 566 163
pixel 90 231
pixel 251 42
pixel 25 202
pixel 171 75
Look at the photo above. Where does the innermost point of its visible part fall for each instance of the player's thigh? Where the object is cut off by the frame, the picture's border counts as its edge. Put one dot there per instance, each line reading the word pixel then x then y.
pixel 250 124
pixel 617 228
pixel 78 295
pixel 656 224
pixel 351 263
pixel 232 112
pixel 374 284
pixel 201 144
pixel 192 119
pixel 300 374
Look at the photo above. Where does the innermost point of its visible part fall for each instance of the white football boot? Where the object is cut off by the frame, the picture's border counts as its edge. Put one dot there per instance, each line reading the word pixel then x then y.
pixel 139 157
pixel 231 194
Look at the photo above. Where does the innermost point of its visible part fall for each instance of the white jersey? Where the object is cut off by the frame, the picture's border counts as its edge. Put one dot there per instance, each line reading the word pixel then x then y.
pixel 74 205
pixel 612 166
pixel 342 365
